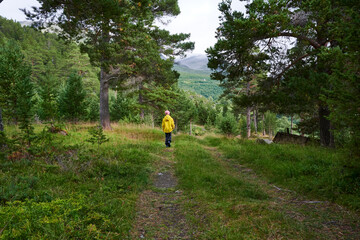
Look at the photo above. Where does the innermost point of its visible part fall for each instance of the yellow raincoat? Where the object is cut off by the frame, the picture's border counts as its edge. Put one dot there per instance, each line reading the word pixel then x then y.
pixel 168 124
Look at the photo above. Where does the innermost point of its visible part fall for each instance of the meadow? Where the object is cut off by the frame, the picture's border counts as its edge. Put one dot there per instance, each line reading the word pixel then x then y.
pixel 73 189
pixel 68 188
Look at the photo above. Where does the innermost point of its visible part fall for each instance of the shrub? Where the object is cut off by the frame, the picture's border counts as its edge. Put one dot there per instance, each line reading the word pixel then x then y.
pixel 71 99
pixel 228 124
pixel 97 135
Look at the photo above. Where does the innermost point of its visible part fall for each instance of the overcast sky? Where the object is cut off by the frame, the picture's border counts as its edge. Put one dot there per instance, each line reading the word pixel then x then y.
pixel 198 17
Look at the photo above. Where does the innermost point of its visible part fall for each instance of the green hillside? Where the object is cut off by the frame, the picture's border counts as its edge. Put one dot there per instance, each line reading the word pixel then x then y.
pixel 198 81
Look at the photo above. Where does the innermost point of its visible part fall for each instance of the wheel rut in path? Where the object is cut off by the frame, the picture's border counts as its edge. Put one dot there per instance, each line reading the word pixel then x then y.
pixel 329 220
pixel 159 209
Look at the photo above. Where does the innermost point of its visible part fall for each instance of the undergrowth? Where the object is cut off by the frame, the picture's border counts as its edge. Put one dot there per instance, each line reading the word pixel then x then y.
pixel 317 172
pixel 75 190
pixel 222 205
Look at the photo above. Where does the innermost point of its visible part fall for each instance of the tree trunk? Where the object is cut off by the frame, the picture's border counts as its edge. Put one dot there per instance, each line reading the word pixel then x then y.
pixel 291 124
pixel 263 122
pixel 141 100
pixel 152 120
pixel 326 137
pixel 248 113
pixel 255 121
pixel 1 121
pixel 104 101
pixel 248 121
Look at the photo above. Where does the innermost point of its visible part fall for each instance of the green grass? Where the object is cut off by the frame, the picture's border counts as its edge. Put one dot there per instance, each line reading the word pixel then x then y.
pixel 75 190
pixel 223 205
pixel 314 171
pixel 70 189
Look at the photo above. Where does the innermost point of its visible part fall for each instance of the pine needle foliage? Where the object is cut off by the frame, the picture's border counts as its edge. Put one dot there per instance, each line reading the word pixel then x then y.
pixel 97 136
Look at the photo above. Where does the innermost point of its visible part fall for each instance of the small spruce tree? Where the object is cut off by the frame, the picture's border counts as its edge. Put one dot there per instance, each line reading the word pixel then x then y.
pixel 228 124
pixel 93 109
pixel 16 89
pixel 71 99
pixel 48 95
pixel 120 108
pixel 97 135
pixel 25 92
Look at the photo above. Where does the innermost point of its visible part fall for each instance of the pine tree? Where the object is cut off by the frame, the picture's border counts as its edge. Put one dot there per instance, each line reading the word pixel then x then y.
pixel 106 30
pixel 228 124
pixel 184 111
pixel 97 136
pixel 93 109
pixel 71 99
pixel 301 77
pixel 14 74
pixel 120 108
pixel 25 92
pixel 16 89
pixel 48 93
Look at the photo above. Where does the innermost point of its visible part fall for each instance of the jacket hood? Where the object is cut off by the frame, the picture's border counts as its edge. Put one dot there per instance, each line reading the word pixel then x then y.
pixel 167 118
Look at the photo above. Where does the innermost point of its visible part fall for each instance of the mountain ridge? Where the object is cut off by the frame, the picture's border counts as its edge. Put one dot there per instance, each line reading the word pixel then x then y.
pixel 195 62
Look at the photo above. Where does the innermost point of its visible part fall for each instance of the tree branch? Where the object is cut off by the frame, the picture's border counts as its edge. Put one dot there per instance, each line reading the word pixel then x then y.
pixel 312 42
pixel 290 65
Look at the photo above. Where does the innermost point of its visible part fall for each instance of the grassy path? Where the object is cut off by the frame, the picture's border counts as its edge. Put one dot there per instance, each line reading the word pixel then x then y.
pixel 226 200
pixel 323 219
pixel 210 188
pixel 159 209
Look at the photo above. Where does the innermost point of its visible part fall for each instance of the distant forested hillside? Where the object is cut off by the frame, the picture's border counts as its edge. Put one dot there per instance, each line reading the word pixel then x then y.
pixel 49 56
pixel 197 80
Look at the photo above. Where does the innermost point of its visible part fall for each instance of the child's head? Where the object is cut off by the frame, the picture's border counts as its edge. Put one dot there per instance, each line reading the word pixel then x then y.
pixel 167 112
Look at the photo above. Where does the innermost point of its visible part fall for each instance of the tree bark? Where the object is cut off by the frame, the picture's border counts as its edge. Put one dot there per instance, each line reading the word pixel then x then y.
pixel 255 121
pixel 141 100
pixel 326 137
pixel 248 121
pixel 263 122
pixel 248 113
pixel 104 101
pixel 1 121
pixel 152 120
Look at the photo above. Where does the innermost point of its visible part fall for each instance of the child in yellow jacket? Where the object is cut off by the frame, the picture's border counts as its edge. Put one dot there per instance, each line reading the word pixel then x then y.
pixel 168 126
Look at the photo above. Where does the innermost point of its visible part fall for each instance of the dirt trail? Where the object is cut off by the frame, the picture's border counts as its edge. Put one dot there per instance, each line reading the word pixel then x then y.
pixel 330 220
pixel 159 210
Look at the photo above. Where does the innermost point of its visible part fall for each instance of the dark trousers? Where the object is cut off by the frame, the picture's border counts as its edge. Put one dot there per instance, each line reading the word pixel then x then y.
pixel 168 139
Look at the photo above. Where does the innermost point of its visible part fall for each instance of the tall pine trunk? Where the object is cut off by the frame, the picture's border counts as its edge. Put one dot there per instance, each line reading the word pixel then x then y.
pixel 255 121
pixel 141 99
pixel 248 121
pixel 248 113
pixel 142 113
pixel 104 101
pixel 152 120
pixel 263 122
pixel 104 86
pixel 326 137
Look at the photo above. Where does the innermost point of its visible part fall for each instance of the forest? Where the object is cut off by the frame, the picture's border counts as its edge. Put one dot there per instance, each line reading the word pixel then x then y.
pixel 83 92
